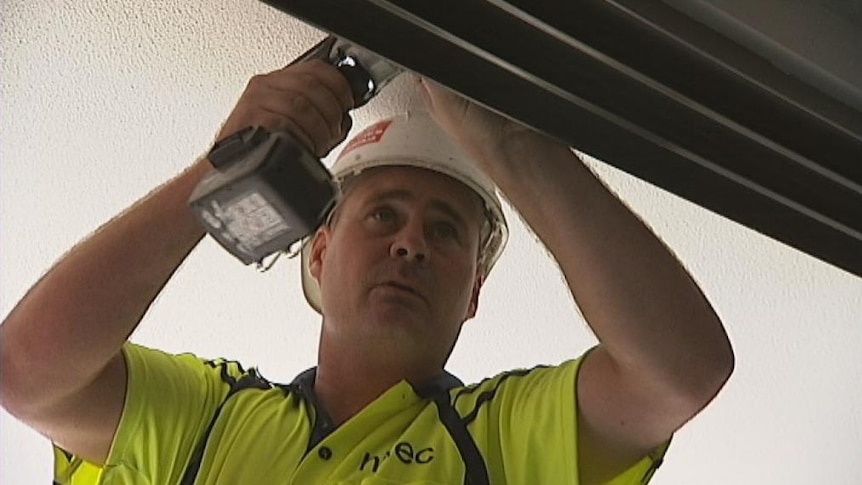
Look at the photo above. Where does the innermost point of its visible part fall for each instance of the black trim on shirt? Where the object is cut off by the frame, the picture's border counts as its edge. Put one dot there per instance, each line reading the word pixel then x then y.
pixel 249 380
pixel 486 396
pixel 322 424
pixel 476 472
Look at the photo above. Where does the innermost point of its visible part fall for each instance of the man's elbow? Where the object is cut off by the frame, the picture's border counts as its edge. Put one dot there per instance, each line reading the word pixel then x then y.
pixel 713 370
pixel 22 392
pixel 11 382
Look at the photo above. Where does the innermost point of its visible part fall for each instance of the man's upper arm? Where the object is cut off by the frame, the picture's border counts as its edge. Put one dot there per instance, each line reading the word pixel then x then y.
pixel 84 423
pixel 143 417
pixel 621 418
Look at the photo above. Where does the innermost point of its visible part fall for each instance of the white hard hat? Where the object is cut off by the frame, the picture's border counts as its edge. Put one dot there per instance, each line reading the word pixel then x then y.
pixel 414 139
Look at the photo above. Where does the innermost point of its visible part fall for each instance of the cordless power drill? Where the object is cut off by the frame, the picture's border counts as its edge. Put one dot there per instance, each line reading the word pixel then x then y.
pixel 268 190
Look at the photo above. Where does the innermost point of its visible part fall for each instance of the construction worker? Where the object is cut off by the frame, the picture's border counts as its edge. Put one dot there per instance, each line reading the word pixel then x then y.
pixel 395 272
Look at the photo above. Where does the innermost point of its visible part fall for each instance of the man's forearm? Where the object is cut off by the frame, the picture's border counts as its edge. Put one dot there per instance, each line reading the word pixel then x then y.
pixel 638 299
pixel 77 317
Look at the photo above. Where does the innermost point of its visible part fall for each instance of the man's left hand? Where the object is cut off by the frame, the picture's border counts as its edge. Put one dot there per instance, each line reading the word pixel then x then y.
pixel 481 132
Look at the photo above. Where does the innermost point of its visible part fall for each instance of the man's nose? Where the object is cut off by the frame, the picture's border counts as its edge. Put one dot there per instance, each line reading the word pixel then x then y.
pixel 410 243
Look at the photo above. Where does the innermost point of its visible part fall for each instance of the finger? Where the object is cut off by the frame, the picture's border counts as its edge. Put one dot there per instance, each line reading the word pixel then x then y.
pixel 440 100
pixel 331 78
pixel 314 84
pixel 255 108
pixel 307 100
pixel 433 91
pixel 423 89
pixel 277 122
pixel 295 102
pixel 295 111
pixel 346 125
pixel 274 118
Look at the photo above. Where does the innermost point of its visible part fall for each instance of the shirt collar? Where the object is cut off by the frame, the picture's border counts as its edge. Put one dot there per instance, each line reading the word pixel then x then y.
pixel 323 425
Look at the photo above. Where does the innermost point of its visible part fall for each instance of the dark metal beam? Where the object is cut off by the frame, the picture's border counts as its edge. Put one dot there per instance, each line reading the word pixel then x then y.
pixel 643 88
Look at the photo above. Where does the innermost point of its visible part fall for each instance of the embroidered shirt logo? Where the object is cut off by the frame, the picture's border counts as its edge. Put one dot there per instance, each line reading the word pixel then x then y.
pixel 403 451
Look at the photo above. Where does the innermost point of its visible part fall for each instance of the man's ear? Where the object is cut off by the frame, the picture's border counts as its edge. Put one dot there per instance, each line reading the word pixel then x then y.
pixel 474 296
pixel 318 250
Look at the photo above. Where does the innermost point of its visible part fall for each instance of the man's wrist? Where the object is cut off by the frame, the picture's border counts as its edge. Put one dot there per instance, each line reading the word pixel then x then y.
pixel 519 151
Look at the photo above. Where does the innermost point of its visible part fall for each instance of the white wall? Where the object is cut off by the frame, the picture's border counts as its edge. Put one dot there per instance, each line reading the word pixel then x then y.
pixel 101 101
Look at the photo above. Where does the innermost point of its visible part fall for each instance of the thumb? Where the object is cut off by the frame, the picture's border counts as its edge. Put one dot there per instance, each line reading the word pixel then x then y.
pixel 444 104
pixel 427 98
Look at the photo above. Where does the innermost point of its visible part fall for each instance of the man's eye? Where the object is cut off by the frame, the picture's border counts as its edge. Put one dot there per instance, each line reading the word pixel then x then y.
pixel 445 230
pixel 383 214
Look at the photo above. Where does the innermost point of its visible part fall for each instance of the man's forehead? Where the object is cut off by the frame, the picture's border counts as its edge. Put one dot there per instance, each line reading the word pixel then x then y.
pixel 406 183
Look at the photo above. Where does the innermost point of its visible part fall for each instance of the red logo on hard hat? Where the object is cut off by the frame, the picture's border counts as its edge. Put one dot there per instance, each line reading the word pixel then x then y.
pixel 372 134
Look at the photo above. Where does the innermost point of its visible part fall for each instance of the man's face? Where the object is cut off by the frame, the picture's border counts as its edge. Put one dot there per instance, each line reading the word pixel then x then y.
pixel 399 261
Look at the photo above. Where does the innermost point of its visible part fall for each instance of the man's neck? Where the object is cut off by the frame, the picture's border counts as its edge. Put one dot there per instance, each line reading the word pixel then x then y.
pixel 350 377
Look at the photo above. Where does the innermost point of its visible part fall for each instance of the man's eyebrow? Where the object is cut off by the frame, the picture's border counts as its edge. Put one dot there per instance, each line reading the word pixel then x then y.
pixel 406 195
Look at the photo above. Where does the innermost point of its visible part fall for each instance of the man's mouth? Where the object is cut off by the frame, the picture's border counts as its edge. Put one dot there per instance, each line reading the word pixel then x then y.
pixel 404 287
pixel 401 287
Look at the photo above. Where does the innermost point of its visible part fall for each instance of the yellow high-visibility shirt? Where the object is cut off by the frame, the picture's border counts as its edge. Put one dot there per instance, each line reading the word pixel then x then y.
pixel 192 421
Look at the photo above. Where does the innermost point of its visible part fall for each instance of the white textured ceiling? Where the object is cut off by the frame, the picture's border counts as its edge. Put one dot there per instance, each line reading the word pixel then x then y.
pixel 101 101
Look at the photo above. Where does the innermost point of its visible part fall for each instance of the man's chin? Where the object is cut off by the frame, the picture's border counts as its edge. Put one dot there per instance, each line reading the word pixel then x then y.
pixel 396 316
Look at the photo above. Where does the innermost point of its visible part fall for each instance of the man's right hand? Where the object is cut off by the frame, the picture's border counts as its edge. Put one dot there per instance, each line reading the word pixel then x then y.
pixel 62 370
pixel 310 100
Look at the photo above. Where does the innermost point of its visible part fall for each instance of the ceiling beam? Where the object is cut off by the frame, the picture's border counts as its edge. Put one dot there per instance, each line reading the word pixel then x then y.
pixel 646 89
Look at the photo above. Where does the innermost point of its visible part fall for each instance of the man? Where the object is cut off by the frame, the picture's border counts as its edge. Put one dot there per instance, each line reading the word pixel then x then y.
pixel 400 266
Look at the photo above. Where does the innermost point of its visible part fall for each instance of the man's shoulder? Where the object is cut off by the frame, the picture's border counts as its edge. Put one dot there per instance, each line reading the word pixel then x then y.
pixel 515 384
pixel 519 376
pixel 144 361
